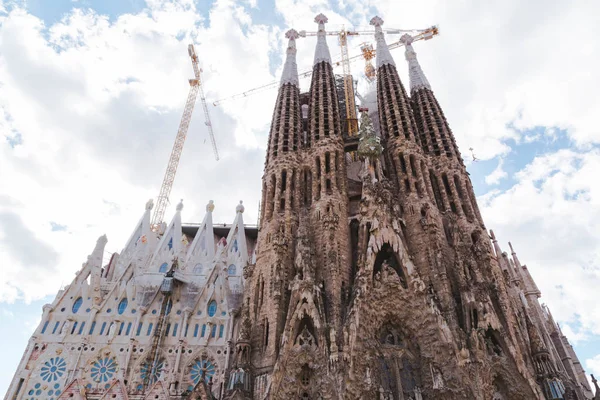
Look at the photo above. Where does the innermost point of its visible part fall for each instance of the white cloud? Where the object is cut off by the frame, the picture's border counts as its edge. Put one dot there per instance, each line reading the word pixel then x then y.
pixel 97 104
pixel 552 217
pixel 593 364
pixel 497 174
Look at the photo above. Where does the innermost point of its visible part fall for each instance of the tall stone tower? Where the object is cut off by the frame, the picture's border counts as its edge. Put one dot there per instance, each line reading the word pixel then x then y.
pixel 375 276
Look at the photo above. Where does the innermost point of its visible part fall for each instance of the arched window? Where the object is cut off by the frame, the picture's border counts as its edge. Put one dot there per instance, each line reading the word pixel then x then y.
pixel 212 308
pixel 163 268
pixel 77 304
pixel 169 306
pixel 231 270
pixel 122 306
pixel 198 268
pixel 170 244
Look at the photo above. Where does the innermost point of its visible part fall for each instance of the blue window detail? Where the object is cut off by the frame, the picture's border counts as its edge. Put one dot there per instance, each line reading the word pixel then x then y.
pixel 74 327
pixel 170 244
pixel 231 270
pixel 81 328
pixel 235 245
pixel 52 370
pixel 139 329
pixel 186 329
pixel 196 330
pixel 223 313
pixel 122 306
pixel 221 328
pixel 55 327
pixel 202 369
pixel 77 304
pixel 168 330
pixel 175 329
pixel 149 331
pixel 128 329
pixel 213 331
pixel 203 330
pixel 45 326
pixel 152 373
pixel 163 268
pixel 212 308
pixel 92 327
pixel 169 306
pixel 121 328
pixel 102 328
pixel 103 370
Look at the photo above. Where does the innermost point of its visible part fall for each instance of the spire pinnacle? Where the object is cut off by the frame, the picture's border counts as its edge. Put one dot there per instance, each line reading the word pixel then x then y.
pixel 383 52
pixel 210 206
pixel 415 73
pixel 322 51
pixel 290 68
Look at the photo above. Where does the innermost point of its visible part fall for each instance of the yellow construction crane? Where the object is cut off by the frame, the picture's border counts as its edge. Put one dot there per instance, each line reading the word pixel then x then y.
pixel 367 52
pixel 167 185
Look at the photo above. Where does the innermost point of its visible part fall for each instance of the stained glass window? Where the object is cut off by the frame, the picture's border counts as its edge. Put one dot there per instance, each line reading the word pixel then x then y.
pixel 202 368
pixel 53 369
pixel 103 370
pixel 231 270
pixel 122 306
pixel 77 304
pixel 212 308
pixel 163 268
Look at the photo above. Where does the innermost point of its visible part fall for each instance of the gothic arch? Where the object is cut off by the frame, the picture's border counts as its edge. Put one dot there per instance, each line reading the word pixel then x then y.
pixel 387 258
pixel 398 365
pixel 305 333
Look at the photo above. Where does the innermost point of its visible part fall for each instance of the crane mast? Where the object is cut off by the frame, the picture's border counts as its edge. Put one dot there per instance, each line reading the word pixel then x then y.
pixel 184 124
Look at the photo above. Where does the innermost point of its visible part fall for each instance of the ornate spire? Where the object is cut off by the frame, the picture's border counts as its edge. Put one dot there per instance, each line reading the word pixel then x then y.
pixel 415 73
pixel 383 52
pixel 290 68
pixel 322 51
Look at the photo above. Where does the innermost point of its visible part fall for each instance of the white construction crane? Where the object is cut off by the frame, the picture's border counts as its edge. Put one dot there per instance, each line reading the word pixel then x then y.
pixel 367 53
pixel 167 185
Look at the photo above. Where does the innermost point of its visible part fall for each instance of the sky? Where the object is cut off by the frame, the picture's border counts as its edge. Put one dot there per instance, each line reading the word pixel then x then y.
pixel 92 91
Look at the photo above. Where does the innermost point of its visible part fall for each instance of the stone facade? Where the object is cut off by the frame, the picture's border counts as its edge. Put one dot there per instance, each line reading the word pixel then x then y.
pixel 373 277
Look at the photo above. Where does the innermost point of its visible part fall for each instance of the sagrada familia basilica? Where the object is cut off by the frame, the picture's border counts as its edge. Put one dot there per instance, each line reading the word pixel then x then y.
pixel 372 276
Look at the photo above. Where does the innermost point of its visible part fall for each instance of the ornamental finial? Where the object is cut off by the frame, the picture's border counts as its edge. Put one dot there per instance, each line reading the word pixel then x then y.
pixel 376 22
pixel 321 19
pixel 415 73
pixel 292 34
pixel 322 51
pixel 290 68
pixel 406 39
pixel 240 207
pixel 180 205
pixel 210 206
pixel 383 52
